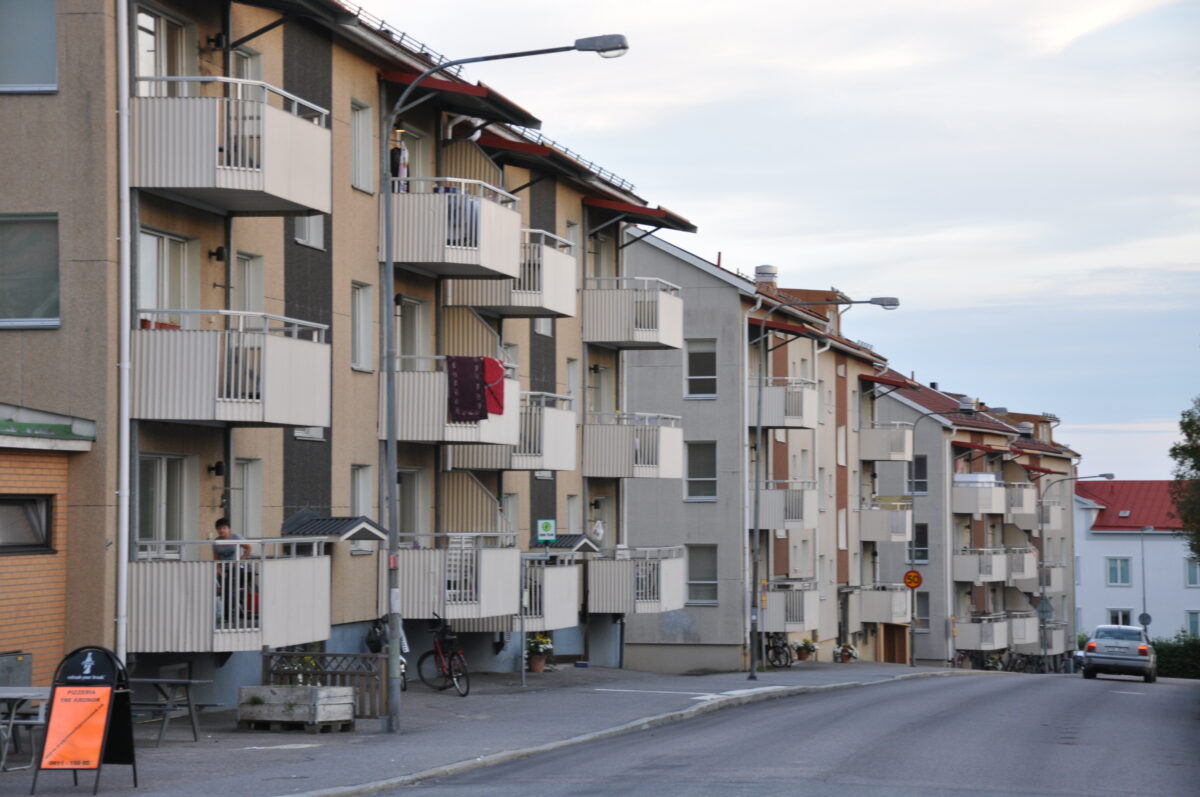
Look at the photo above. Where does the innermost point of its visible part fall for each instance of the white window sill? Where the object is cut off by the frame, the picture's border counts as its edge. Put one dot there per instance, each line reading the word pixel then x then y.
pixel 699 500
pixel 701 603
pixel 701 397
pixel 362 369
pixel 309 246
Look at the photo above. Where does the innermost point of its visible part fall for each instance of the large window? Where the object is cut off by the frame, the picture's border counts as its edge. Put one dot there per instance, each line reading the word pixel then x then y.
pixel 362 124
pixel 701 368
pixel 165 277
pixel 362 353
pixel 918 549
pixel 25 524
pixel 1191 576
pixel 28 46
pixel 918 475
pixel 162 504
pixel 160 52
pixel 1119 616
pixel 246 503
pixel 1118 571
pixel 29 271
pixel 921 612
pixel 702 574
pixel 702 471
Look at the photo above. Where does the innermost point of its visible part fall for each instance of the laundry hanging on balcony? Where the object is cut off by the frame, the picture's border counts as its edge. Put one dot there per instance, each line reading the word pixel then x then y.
pixel 493 385
pixel 475 387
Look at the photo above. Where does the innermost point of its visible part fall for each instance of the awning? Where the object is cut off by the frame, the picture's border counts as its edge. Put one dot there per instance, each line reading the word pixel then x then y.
pixel 471 100
pixel 781 326
pixel 639 214
pixel 1036 468
pixel 529 155
pixel 978 447
pixel 884 380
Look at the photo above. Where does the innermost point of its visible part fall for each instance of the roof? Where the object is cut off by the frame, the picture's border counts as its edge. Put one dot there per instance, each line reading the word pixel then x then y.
pixel 25 427
pixel 640 214
pixel 946 405
pixel 572 542
pixel 1148 503
pixel 742 284
pixel 307 523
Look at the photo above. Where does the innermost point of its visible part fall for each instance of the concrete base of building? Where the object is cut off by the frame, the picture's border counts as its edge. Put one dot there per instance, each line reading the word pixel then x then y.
pixel 684 659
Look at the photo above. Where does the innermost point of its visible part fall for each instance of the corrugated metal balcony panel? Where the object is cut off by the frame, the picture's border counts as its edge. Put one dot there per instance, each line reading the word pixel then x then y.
pixel 610 586
pixel 1021 500
pixel 1023 628
pixel 772 502
pixel 558 601
pixel 546 288
pixel 171 606
pixel 1022 564
pixel 978 500
pixel 422 582
pixel 182 145
pixel 880 524
pixel 551 435
pixel 295 601
pixel 886 443
pixel 670 590
pixel 1057 641
pixel 885 605
pixel 771 616
pixel 980 567
pixel 1052 517
pixel 422 412
pixel 479 457
pixel 632 318
pixel 802 508
pixel 784 406
pixel 791 610
pixel 987 634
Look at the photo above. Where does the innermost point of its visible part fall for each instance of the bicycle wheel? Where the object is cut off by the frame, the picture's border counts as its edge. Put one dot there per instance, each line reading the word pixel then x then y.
pixel 459 675
pixel 777 656
pixel 429 672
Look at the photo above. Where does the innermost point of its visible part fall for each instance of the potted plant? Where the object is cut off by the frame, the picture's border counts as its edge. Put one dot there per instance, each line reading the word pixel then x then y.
pixel 805 648
pixel 537 648
pixel 846 652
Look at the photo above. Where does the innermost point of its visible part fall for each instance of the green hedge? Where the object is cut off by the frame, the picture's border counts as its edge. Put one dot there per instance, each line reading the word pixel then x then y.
pixel 1178 657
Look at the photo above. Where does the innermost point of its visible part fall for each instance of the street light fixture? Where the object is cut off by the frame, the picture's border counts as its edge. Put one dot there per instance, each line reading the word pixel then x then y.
pixel 608 46
pixel 887 303
pixel 1041 509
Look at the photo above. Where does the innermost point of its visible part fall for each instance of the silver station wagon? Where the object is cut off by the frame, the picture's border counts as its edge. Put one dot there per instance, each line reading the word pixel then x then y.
pixel 1120 650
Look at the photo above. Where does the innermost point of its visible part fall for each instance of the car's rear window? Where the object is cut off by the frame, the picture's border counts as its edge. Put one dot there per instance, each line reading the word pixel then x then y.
pixel 1123 634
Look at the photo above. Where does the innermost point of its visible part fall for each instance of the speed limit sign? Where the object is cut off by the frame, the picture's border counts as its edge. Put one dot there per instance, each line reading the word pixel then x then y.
pixel 912 579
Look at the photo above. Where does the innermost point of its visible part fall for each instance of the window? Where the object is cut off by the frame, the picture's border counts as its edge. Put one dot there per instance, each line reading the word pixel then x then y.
pixel 160 53
pixel 701 368
pixel 247 284
pixel 574 515
pixel 1192 574
pixel 309 433
pixel 573 382
pixel 822 491
pixel 362 354
pixel 918 549
pixel 543 326
pixel 702 574
pixel 918 475
pixel 28 47
pixel 362 125
pixel 1118 571
pixel 29 271
pixel 165 278
pixel 247 64
pixel 921 612
pixel 25 523
pixel 362 503
pixel 1192 623
pixel 310 230
pixel 161 501
pixel 247 499
pixel 701 471
pixel 1119 616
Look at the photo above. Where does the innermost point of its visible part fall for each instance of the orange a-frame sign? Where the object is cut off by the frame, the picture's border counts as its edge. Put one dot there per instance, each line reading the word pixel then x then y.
pixel 77 727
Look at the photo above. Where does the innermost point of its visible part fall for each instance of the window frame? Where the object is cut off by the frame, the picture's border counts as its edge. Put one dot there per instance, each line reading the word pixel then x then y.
pixel 689 479
pixel 920 621
pixel 42 322
pixel 692 580
pixel 913 548
pixel 310 231
pixel 914 478
pixel 46 543
pixel 362 161
pixel 1191 573
pixel 362 310
pixel 33 39
pixel 1191 622
pixel 1124 616
pixel 1109 561
pixel 689 377
pixel 362 503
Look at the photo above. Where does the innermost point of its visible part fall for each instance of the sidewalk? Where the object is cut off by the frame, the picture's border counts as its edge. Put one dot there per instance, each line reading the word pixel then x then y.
pixel 497 721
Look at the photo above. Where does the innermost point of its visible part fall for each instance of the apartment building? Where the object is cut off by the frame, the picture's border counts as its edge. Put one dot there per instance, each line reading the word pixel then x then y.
pixel 1130 559
pixel 990 537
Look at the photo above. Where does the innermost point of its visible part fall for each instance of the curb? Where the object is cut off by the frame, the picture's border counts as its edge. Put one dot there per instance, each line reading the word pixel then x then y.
pixel 633 726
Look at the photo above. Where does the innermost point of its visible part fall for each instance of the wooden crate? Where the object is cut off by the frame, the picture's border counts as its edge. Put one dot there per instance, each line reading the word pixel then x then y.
pixel 280 706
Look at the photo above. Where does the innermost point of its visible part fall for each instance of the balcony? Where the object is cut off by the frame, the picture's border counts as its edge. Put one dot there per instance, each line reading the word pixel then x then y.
pixel 1022 564
pixel 977 494
pixel 980 565
pixel 1051 514
pixel 637 581
pixel 551 595
pixel 449 227
pixel 982 632
pixel 886 520
pixel 423 406
pixel 1056 641
pixel 787 403
pixel 182 601
pixel 791 606
pixel 632 313
pixel 886 442
pixel 241 146
pixel 1021 500
pixel 459 575
pixel 885 603
pixel 634 445
pixel 544 289
pixel 1023 628
pixel 205 366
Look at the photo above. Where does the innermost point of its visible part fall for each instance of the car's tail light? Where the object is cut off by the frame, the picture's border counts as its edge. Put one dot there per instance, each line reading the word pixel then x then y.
pixel 1091 647
pixel 1143 650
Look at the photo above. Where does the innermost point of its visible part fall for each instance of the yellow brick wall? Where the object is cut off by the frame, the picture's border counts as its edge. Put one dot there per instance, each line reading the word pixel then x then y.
pixel 33 587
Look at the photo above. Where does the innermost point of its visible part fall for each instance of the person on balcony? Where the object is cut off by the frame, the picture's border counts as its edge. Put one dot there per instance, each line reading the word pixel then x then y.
pixel 225 553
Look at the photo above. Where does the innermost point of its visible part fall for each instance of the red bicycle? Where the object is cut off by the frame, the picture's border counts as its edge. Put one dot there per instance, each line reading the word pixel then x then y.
pixel 442 668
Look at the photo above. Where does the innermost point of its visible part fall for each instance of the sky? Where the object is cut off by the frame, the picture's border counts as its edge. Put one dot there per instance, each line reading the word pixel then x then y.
pixel 1024 175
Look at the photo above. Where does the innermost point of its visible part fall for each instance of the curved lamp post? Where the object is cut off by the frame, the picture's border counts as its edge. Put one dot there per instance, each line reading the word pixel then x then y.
pixel 887 303
pixel 609 46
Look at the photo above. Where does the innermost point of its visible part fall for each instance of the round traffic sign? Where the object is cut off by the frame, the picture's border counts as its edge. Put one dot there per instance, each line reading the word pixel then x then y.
pixel 1143 619
pixel 912 579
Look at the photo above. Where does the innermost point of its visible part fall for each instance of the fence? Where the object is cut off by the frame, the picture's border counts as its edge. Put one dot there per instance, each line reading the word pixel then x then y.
pixel 366 672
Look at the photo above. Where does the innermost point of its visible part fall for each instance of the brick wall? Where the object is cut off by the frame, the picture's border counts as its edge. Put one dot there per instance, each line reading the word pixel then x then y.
pixel 33 587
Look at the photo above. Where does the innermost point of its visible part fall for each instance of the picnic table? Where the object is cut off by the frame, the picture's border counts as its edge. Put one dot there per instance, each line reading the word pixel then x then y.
pixel 12 700
pixel 174 699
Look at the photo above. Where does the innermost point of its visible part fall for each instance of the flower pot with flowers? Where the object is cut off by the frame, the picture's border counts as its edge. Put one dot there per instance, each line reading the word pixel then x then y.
pixel 805 649
pixel 537 648
pixel 846 652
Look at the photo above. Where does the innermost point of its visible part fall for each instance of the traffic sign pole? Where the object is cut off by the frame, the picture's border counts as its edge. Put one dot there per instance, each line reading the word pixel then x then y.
pixel 912 580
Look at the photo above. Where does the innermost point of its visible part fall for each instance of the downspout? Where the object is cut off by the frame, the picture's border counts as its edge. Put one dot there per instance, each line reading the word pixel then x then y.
pixel 124 324
pixel 818 350
pixel 747 498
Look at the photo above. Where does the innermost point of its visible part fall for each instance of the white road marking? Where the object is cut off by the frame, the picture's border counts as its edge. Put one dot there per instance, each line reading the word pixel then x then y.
pixel 1119 692
pixel 283 747
pixel 657 692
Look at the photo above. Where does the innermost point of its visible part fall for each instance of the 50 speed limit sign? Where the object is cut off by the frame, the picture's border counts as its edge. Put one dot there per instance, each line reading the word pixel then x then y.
pixel 912 579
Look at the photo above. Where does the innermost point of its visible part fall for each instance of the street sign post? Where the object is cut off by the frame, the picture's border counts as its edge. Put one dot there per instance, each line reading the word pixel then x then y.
pixel 912 580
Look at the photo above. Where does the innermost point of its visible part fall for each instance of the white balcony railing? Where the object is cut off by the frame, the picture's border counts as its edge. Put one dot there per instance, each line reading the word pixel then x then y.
pixel 632 313
pixel 886 442
pixel 550 595
pixel 454 228
pixel 183 599
pixel 787 403
pixel 545 287
pixel 982 632
pixel 1051 514
pixel 547 434
pixel 637 580
pixel 632 445
pixel 1022 564
pixel 423 406
pixel 230 366
pixel 886 520
pixel 791 606
pixel 1023 627
pixel 1021 499
pixel 977 497
pixel 459 575
pixel 885 603
pixel 980 565
pixel 232 143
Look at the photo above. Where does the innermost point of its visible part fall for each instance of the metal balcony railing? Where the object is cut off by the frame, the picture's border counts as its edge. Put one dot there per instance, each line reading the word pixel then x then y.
pixel 533 244
pixel 646 291
pixel 645 431
pixel 533 406
pixel 461 200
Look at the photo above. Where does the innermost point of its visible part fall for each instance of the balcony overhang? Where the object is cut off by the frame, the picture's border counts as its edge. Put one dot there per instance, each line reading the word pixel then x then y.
pixel 608 211
pixel 471 100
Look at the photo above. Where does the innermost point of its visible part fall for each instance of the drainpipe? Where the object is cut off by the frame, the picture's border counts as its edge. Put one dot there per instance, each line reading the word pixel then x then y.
pixel 124 323
pixel 818 350
pixel 747 501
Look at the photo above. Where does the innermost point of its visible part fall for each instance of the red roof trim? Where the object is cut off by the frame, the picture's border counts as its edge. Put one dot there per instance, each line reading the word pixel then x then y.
pixel 658 216
pixel 782 327
pixel 977 447
pixel 434 83
pixel 1036 468
pixel 883 380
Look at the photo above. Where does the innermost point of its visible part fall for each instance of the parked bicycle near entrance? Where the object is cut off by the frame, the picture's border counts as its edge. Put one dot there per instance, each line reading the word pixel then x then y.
pixel 442 668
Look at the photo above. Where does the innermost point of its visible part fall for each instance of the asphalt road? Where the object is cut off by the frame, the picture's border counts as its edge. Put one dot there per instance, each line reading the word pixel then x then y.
pixel 1002 734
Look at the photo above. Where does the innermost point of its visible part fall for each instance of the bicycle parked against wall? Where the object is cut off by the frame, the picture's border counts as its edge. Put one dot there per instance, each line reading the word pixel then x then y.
pixel 779 652
pixel 442 667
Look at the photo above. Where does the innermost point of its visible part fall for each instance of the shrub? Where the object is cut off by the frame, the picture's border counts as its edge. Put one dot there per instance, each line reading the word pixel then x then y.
pixel 1178 657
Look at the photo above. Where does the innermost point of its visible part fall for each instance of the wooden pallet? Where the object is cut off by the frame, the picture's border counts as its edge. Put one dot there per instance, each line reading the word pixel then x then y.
pixel 331 726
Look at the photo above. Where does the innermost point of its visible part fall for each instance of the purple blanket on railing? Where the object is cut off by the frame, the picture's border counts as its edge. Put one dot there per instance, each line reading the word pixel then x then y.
pixel 464 377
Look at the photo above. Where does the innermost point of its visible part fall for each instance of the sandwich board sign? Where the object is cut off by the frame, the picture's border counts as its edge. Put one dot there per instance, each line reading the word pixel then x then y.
pixel 89 722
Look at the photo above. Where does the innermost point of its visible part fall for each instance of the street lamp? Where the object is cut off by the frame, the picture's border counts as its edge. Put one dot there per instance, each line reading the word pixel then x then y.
pixel 887 303
pixel 608 46
pixel 1041 507
pixel 1143 620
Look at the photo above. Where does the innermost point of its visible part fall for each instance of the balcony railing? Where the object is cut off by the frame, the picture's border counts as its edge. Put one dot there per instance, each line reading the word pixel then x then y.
pixel 230 366
pixel 886 442
pixel 1051 514
pixel 977 497
pixel 632 313
pixel 547 434
pixel 545 287
pixel 182 599
pixel 423 406
pixel 1022 564
pixel 550 595
pixel 1022 502
pixel 1023 627
pixel 885 603
pixel 980 565
pixel 787 403
pixel 632 445
pixel 982 632
pixel 459 575
pixel 232 143
pixel 886 520
pixel 637 580
pixel 792 606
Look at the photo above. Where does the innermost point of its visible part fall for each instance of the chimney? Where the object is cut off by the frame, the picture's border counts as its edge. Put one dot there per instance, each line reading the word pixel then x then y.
pixel 1026 429
pixel 765 276
pixel 933 385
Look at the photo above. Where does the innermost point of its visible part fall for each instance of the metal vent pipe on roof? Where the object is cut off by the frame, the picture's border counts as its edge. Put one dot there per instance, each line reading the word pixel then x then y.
pixel 766 276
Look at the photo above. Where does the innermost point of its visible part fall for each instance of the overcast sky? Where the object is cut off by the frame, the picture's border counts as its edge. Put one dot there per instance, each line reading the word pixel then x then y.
pixel 1024 175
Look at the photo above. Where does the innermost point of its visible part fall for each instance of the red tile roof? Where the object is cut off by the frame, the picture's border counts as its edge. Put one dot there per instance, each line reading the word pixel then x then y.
pixel 1148 503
